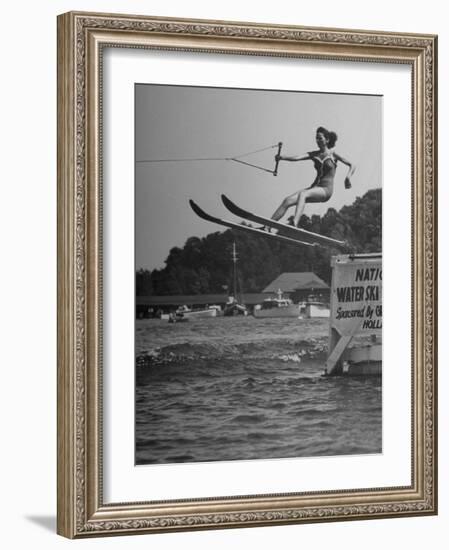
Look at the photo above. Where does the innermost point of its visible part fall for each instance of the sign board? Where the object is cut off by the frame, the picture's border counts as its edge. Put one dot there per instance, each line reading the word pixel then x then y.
pixel 356 302
pixel 356 295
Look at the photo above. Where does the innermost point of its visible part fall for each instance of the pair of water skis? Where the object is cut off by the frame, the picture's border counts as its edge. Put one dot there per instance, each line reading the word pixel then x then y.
pixel 285 233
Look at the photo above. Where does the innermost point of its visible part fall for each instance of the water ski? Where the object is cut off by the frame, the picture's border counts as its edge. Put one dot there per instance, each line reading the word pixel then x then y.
pixel 284 230
pixel 205 216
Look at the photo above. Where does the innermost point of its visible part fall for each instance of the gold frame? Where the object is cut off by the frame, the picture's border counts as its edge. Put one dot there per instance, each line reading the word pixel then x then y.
pixel 81 37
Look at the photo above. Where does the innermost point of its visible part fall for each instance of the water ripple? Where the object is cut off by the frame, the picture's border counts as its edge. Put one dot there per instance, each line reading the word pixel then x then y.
pixel 239 389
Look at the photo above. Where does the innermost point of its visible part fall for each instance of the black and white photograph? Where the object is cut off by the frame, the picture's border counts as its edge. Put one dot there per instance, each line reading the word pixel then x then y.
pixel 258 255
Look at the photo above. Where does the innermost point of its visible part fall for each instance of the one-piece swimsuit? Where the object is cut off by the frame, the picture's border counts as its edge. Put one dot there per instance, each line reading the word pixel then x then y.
pixel 325 168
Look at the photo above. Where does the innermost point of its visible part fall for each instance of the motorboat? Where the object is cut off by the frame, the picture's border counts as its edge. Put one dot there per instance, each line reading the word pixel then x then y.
pixel 277 307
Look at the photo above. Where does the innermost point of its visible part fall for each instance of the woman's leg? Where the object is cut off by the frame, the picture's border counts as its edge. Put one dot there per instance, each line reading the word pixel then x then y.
pixel 285 205
pixel 314 194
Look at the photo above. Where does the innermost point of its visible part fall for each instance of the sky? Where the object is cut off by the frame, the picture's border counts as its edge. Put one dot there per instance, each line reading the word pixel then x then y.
pixel 184 122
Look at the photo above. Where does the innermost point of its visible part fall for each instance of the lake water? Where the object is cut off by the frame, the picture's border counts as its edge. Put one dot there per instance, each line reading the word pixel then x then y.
pixel 243 388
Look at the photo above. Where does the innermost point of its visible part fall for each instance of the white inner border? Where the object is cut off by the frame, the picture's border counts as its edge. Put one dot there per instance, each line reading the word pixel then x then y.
pixel 124 482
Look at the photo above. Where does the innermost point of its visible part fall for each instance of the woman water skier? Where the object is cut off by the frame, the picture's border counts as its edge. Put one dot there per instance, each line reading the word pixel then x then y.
pixel 321 190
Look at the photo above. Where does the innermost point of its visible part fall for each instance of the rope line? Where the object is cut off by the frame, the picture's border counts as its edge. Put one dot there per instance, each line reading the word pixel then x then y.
pixel 183 160
pixel 235 159
pixel 253 165
pixel 256 151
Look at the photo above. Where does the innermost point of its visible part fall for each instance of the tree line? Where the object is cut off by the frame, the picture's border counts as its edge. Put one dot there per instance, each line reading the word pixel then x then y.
pixel 204 265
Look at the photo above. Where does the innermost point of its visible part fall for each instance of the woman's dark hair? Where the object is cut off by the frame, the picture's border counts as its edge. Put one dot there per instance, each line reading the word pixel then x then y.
pixel 330 136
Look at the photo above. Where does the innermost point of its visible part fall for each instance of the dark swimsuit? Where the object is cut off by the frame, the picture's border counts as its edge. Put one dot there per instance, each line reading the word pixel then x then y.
pixel 325 168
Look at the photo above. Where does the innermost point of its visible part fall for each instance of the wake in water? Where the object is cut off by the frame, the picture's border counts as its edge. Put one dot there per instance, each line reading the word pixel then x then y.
pixel 286 350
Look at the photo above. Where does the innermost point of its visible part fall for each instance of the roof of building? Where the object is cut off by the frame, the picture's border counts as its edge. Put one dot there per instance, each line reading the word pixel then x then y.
pixel 289 282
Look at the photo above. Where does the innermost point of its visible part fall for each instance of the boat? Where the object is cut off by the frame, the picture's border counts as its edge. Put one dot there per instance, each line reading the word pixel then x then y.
pixel 277 307
pixel 187 313
pixel 217 309
pixel 177 318
pixel 314 309
pixel 234 306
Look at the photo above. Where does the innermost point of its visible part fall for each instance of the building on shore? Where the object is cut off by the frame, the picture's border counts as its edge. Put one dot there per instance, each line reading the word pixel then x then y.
pixel 296 286
pixel 299 287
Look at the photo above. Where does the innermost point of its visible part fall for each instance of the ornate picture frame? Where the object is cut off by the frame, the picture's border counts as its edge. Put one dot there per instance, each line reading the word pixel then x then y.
pixel 82 508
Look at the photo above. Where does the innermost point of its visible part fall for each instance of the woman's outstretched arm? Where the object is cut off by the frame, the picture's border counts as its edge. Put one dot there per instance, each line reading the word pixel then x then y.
pixel 292 158
pixel 350 171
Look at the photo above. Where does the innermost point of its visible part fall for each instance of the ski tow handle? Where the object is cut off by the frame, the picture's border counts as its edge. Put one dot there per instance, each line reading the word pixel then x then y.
pixel 275 171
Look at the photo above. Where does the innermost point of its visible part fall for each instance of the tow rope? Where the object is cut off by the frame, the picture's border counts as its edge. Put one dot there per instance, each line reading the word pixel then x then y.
pixel 237 158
